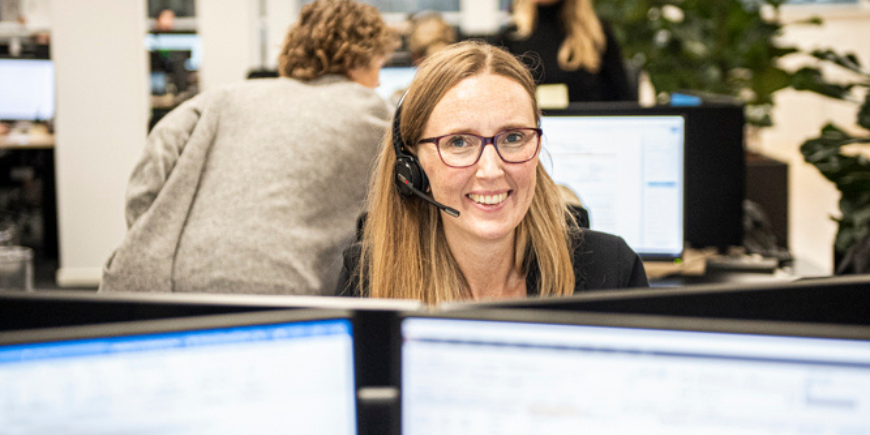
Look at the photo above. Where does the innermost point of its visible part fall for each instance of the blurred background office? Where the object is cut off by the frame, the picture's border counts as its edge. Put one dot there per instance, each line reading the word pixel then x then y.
pixel 117 67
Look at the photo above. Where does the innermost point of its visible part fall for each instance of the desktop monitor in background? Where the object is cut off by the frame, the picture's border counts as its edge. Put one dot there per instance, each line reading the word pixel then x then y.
pixel 165 44
pixel 556 373
pixel 627 171
pixel 26 90
pixel 715 167
pixel 394 81
pixel 277 372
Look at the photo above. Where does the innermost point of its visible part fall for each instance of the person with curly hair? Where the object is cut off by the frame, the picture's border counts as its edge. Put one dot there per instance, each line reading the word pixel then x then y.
pixel 256 187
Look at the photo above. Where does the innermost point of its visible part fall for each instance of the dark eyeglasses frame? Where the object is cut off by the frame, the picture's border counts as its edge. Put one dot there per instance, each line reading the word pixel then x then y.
pixel 485 141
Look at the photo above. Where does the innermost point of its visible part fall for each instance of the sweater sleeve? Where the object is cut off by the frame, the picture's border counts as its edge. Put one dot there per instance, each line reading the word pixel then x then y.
pixel 162 150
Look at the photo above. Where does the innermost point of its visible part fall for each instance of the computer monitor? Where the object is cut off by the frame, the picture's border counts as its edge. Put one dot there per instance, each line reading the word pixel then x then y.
pixel 843 300
pixel 374 319
pixel 558 373
pixel 627 171
pixel 158 82
pixel 394 81
pixel 276 372
pixel 715 167
pixel 26 90
pixel 166 43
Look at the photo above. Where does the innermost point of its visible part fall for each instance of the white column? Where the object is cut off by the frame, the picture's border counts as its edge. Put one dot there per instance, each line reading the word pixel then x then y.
pixel 479 17
pixel 101 123
pixel 230 41
pixel 280 15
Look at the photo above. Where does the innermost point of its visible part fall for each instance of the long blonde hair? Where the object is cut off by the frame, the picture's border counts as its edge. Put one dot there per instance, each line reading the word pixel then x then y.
pixel 584 37
pixel 405 253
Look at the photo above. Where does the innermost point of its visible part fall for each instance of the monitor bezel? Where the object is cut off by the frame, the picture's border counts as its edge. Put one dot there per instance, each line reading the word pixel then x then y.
pixel 657 322
pixel 168 325
pixel 811 300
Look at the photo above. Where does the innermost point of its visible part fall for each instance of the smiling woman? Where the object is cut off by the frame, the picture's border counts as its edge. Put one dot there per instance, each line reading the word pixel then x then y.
pixel 500 228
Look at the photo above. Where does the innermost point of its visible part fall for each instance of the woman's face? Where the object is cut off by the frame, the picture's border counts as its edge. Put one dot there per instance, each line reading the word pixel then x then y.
pixel 492 196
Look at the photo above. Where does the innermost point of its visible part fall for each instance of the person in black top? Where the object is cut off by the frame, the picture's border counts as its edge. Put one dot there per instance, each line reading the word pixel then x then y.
pixel 451 218
pixel 564 42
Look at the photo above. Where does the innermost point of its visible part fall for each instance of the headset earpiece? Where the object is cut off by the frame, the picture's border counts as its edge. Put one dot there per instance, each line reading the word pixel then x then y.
pixel 407 170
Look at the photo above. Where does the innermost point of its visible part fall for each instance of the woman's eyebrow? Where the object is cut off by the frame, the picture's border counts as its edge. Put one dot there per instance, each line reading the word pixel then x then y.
pixel 503 128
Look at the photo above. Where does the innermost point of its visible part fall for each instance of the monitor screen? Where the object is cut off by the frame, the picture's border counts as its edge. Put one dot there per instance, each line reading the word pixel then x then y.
pixel 463 376
pixel 158 82
pixel 394 81
pixel 189 43
pixel 26 90
pixel 627 172
pixel 278 372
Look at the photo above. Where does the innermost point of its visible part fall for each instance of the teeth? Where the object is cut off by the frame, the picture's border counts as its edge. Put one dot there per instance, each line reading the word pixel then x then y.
pixel 488 199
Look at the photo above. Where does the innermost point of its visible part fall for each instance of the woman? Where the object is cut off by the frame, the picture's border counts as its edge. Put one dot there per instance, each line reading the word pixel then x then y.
pixel 566 44
pixel 500 228
pixel 255 187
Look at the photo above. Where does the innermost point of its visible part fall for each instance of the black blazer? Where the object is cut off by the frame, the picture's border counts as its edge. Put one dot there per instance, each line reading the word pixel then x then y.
pixel 601 261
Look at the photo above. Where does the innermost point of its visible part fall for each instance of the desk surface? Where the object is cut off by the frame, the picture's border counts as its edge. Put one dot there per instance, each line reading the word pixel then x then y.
pixel 708 267
pixel 27 141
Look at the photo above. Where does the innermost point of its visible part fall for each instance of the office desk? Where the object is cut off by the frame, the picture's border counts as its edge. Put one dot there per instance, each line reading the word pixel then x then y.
pixel 16 141
pixel 707 266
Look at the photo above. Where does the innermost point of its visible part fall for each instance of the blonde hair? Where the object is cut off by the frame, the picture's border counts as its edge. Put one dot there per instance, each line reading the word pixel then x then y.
pixel 404 251
pixel 584 37
pixel 334 37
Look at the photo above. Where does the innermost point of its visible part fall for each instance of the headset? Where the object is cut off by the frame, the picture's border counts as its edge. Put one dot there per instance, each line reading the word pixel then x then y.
pixel 409 175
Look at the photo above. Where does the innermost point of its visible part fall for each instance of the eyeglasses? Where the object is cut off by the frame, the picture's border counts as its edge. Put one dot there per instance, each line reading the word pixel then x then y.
pixel 460 150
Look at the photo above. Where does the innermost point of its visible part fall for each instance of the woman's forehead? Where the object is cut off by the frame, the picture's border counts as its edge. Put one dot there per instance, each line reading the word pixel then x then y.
pixel 483 101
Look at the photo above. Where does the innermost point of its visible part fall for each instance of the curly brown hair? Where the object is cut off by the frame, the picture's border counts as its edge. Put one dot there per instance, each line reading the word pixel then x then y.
pixel 334 37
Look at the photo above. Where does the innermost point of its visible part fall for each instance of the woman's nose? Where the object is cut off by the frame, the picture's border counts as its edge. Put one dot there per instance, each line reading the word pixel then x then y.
pixel 490 163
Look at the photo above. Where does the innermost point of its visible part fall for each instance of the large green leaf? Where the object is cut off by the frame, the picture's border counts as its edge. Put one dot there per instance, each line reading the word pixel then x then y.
pixel 864 113
pixel 811 79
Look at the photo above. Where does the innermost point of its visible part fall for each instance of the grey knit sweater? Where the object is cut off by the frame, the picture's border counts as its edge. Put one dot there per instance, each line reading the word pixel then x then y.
pixel 252 188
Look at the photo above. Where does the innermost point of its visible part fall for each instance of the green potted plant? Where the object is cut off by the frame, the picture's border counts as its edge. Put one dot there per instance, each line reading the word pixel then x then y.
pixel 721 47
pixel 841 157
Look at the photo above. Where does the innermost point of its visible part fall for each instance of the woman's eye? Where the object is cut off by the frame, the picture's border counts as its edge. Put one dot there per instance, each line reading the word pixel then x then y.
pixel 513 137
pixel 457 142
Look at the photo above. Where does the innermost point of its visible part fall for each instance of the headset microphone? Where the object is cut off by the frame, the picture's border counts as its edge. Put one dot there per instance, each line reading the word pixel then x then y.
pixel 409 175
pixel 451 211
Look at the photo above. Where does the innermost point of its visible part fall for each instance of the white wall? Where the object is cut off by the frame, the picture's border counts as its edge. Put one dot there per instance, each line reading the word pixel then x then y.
pixel 102 115
pixel 279 16
pixel 479 16
pixel 800 115
pixel 230 40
